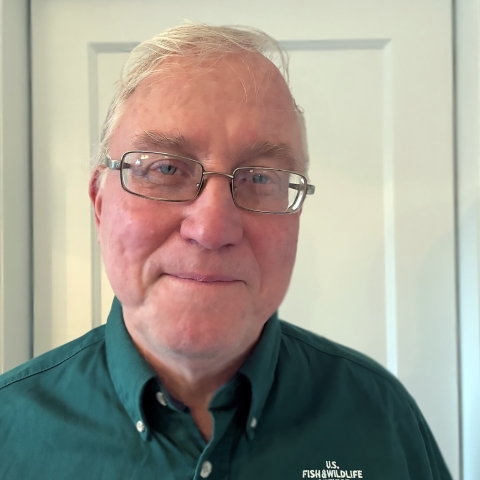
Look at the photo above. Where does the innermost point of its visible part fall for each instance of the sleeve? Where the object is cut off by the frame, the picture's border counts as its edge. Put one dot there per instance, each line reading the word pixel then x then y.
pixel 439 469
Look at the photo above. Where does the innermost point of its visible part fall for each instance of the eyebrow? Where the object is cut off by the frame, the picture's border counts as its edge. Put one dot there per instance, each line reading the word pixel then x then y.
pixel 267 149
pixel 157 141
pixel 153 140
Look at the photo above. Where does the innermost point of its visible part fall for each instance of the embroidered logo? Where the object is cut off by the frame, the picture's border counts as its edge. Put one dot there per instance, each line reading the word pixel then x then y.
pixel 332 470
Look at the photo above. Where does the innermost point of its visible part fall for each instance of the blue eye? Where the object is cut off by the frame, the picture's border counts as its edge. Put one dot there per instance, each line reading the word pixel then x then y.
pixel 168 169
pixel 258 178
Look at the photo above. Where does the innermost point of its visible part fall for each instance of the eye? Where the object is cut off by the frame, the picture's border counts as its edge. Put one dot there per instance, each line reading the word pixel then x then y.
pixel 167 169
pixel 259 178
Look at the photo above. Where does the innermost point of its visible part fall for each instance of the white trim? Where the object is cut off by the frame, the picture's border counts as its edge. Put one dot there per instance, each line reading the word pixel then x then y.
pixel 94 49
pixel 389 217
pixel 340 44
pixel 15 210
pixel 467 91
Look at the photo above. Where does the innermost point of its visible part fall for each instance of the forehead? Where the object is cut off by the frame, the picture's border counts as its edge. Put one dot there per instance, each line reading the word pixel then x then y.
pixel 234 99
pixel 247 78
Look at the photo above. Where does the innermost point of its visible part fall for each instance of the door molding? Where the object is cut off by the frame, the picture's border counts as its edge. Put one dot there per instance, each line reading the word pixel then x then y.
pixel 15 185
pixel 467 127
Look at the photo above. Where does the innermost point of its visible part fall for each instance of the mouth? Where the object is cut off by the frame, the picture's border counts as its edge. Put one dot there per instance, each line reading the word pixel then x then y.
pixel 206 279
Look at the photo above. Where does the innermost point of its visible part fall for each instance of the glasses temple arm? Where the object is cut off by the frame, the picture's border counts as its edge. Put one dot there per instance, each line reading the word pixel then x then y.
pixel 114 164
pixel 297 186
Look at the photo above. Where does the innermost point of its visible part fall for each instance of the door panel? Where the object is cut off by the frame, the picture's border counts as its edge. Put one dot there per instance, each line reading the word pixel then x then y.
pixel 375 266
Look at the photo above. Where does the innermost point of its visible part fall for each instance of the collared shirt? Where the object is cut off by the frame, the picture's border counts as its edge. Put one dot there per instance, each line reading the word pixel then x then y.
pixel 300 407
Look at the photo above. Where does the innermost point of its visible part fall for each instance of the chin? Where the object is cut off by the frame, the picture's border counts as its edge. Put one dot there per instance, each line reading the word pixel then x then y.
pixel 190 326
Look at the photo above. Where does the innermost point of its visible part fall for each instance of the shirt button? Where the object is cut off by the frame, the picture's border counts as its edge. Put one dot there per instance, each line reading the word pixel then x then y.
pixel 253 422
pixel 206 469
pixel 161 399
pixel 140 426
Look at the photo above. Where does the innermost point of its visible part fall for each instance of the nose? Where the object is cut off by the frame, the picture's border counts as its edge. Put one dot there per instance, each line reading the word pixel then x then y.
pixel 212 220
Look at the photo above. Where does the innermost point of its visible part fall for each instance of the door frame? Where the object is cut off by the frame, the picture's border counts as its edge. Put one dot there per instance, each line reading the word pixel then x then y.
pixel 15 185
pixel 467 165
pixel 16 272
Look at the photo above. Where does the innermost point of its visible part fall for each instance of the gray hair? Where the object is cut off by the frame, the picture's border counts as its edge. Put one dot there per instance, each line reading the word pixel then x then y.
pixel 197 42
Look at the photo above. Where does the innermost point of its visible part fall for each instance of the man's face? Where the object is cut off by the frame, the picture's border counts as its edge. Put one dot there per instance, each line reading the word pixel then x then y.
pixel 200 278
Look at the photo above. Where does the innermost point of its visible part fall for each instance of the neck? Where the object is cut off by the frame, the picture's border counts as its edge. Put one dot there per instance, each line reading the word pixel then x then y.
pixel 192 380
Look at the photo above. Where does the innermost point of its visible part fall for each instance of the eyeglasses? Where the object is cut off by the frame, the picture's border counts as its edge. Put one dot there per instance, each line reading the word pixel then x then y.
pixel 173 178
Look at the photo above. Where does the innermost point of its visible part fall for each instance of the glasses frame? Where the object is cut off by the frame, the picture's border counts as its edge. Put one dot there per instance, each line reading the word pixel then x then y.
pixel 305 189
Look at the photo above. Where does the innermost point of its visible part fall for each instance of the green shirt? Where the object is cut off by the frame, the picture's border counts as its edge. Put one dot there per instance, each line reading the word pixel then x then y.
pixel 300 407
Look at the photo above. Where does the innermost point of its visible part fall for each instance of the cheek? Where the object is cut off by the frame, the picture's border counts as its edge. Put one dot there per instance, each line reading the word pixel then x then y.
pixel 125 232
pixel 129 233
pixel 277 248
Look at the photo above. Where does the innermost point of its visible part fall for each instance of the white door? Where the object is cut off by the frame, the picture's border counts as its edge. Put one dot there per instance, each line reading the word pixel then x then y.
pixel 375 266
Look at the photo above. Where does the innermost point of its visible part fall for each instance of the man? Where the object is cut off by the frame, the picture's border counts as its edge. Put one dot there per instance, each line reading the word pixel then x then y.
pixel 197 197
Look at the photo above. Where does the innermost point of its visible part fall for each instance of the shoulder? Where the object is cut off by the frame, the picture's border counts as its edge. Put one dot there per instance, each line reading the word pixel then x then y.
pixel 324 359
pixel 52 363
pixel 350 403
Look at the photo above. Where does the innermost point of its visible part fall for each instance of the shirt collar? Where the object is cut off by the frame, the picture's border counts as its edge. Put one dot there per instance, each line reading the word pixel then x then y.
pixel 128 369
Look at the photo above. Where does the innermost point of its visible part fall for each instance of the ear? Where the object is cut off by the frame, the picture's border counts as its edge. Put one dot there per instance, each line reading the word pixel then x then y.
pixel 95 193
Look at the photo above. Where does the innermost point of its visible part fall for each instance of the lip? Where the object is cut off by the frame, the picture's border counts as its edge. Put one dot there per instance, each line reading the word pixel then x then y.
pixel 205 278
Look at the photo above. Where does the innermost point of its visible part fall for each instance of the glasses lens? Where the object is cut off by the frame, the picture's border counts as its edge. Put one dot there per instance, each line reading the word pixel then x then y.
pixel 269 190
pixel 161 177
